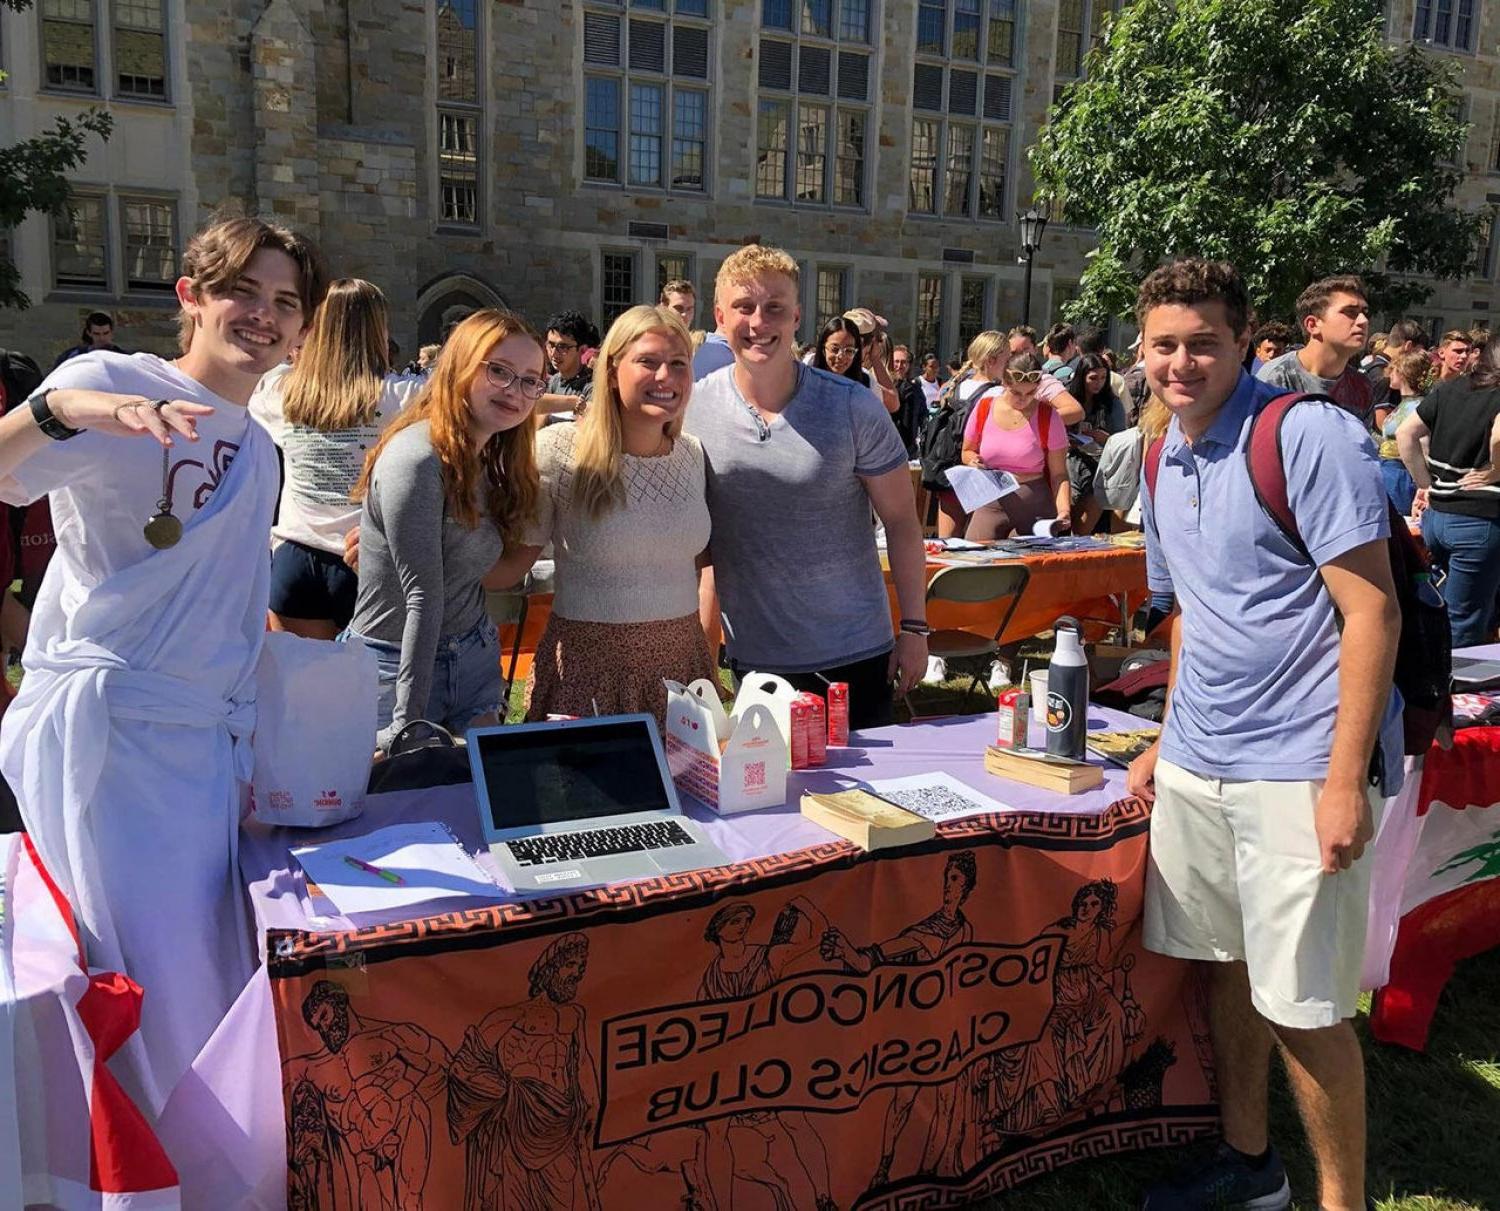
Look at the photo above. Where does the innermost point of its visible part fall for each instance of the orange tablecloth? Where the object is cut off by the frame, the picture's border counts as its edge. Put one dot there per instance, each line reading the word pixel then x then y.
pixel 1095 584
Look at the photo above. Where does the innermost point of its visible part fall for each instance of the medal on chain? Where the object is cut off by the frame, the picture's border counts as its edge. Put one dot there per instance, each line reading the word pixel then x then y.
pixel 162 529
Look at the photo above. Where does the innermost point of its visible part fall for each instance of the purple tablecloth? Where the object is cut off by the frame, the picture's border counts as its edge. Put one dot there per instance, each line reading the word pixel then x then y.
pixel 278 892
pixel 225 1127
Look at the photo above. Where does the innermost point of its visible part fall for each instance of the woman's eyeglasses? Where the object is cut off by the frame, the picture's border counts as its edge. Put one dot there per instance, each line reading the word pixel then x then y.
pixel 504 378
pixel 1024 376
pixel 834 352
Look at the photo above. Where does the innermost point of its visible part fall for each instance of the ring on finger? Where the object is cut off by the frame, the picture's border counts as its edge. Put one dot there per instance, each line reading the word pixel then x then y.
pixel 137 403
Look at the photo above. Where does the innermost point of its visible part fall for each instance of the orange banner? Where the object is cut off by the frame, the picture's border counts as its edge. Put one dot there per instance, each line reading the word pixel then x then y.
pixel 819 1030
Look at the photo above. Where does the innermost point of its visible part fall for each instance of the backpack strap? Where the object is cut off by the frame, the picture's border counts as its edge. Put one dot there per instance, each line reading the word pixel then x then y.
pixel 1151 467
pixel 1263 460
pixel 1044 415
pixel 982 407
pixel 1151 471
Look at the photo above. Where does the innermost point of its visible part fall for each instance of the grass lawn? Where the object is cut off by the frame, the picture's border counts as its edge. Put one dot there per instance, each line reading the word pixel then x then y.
pixel 1434 1118
pixel 1434 1122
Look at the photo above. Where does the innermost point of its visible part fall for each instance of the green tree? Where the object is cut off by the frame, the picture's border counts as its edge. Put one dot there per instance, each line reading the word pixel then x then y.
pixel 33 175
pixel 1286 136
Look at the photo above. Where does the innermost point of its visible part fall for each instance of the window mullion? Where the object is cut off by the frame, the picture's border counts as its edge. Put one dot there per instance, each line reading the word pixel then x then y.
pixel 940 172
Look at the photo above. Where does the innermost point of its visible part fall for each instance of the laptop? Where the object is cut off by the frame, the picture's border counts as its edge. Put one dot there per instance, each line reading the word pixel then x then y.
pixel 1471 673
pixel 581 803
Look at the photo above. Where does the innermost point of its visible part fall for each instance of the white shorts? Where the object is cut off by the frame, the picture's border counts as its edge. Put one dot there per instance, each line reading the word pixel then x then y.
pixel 1235 875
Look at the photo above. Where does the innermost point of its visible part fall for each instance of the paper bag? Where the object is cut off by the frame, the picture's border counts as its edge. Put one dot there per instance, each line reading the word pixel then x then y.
pixel 732 766
pixel 314 731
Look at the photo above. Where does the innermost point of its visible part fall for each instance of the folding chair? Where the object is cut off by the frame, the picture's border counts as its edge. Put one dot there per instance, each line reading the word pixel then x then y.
pixel 971 585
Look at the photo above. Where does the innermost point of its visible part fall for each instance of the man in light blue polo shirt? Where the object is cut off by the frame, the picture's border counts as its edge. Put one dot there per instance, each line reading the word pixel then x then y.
pixel 1280 697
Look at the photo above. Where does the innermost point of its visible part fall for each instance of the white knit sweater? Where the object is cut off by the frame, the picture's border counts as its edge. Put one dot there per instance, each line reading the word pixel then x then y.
pixel 636 562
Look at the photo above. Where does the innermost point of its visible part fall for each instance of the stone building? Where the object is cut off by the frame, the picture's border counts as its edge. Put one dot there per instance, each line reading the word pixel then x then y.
pixel 577 153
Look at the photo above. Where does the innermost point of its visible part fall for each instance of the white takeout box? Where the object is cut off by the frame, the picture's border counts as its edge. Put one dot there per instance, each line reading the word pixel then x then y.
pixel 733 763
pixel 774 693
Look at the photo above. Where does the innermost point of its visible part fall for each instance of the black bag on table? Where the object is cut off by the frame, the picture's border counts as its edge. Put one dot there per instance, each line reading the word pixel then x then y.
pixel 422 754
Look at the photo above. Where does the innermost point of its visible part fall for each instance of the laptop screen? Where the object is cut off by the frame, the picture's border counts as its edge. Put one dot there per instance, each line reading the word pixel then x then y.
pixel 557 775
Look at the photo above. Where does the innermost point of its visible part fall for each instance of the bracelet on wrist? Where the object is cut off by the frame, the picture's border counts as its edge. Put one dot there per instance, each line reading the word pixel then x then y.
pixel 41 412
pixel 912 626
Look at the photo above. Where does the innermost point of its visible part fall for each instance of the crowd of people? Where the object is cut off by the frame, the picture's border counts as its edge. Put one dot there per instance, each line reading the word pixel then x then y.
pixel 692 486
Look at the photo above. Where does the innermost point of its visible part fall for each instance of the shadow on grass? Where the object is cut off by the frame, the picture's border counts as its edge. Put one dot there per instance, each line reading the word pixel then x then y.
pixel 1433 1123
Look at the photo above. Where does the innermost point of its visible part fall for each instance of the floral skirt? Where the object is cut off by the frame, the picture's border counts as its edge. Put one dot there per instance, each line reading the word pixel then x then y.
pixel 614 667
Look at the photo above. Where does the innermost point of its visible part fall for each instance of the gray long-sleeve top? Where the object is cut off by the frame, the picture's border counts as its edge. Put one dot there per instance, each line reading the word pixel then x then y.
pixel 419 568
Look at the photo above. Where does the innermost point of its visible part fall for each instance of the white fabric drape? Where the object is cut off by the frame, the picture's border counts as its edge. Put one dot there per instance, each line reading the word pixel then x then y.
pixel 127 748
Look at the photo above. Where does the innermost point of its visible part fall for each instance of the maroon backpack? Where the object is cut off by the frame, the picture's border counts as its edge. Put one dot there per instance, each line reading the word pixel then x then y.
pixel 1424 656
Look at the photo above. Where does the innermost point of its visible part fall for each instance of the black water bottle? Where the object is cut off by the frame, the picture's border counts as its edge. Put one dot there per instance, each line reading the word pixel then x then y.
pixel 1068 693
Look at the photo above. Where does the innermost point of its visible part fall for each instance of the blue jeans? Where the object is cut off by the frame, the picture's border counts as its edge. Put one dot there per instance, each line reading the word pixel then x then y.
pixel 1399 485
pixel 466 681
pixel 1468 550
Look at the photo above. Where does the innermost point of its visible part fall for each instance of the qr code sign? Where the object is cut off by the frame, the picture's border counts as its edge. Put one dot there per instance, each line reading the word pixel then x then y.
pixel 932 802
pixel 755 775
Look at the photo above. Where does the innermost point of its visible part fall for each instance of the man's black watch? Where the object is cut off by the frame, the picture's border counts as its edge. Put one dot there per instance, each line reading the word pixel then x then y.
pixel 48 423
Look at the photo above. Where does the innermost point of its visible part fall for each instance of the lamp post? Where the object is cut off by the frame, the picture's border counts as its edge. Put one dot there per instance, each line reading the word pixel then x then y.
pixel 1033 223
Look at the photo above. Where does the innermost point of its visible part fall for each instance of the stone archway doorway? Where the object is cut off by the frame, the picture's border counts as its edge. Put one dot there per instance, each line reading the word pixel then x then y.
pixel 447 300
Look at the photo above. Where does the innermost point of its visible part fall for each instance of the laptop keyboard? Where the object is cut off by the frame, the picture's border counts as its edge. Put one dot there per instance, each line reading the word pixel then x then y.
pixel 599 843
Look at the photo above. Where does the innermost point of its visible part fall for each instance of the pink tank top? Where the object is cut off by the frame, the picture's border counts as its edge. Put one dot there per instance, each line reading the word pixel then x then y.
pixel 1019 450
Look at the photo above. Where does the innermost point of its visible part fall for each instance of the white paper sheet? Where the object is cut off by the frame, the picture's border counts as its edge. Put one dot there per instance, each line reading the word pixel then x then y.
pixel 938 796
pixel 976 487
pixel 426 856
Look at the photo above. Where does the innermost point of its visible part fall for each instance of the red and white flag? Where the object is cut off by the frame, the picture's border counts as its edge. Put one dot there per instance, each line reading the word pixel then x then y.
pixel 1449 890
pixel 70 1136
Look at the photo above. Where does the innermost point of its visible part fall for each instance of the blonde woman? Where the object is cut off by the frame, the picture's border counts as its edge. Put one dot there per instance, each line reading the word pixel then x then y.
pixel 623 504
pixel 334 404
pixel 449 487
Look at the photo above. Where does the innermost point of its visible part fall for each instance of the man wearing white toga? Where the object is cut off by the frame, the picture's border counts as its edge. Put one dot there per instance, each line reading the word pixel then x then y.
pixel 129 742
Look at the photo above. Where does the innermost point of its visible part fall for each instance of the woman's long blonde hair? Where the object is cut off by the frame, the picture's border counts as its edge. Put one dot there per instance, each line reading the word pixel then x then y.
pixel 340 373
pixel 988 344
pixel 1156 417
pixel 601 432
pixel 508 459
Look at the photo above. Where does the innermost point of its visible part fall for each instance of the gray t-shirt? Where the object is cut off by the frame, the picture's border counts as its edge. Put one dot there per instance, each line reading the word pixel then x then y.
pixel 1289 372
pixel 419 568
pixel 798 575
pixel 1351 390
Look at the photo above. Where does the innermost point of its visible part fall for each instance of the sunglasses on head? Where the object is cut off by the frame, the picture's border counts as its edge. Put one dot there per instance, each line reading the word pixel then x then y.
pixel 1024 376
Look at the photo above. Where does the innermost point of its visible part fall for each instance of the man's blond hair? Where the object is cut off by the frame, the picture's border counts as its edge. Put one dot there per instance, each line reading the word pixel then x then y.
pixel 755 261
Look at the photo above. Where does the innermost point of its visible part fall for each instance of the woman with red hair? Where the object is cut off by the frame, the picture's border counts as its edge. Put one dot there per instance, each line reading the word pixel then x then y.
pixel 447 489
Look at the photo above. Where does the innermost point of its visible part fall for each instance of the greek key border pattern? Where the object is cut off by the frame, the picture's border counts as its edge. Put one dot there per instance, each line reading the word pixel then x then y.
pixel 292 948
